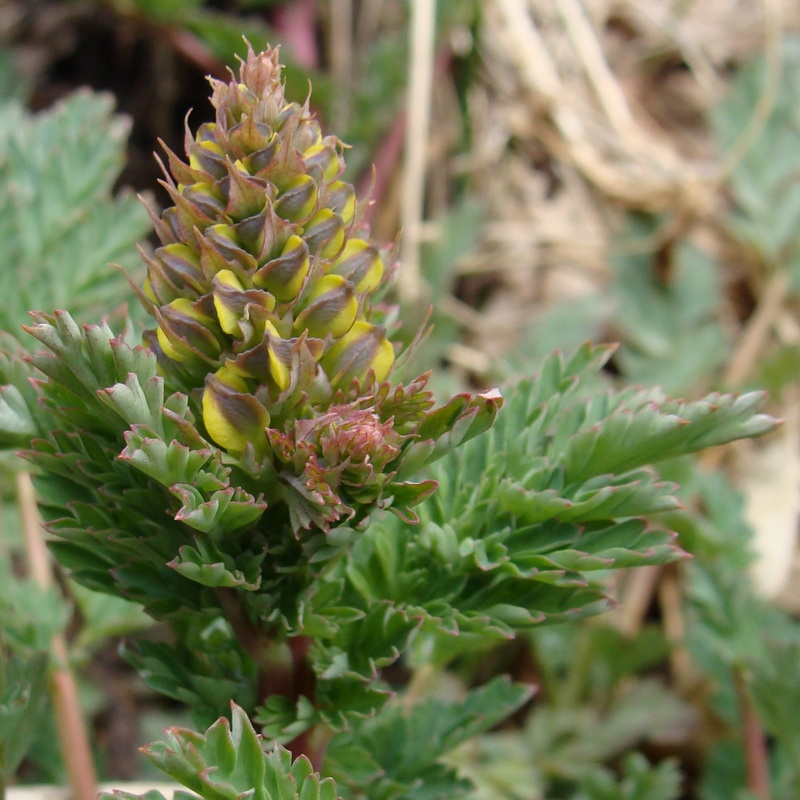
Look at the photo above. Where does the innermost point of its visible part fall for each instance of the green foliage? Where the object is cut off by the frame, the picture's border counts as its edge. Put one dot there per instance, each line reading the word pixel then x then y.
pixel 568 742
pixel 725 773
pixel 205 671
pixel 524 515
pixel 562 748
pixel 766 196
pixel 23 706
pixel 749 648
pixel 308 530
pixel 775 692
pixel 228 762
pixel 667 320
pixel 60 226
pixel 671 328
pixel 399 753
pixel 639 781
pixel 668 309
pixel 20 415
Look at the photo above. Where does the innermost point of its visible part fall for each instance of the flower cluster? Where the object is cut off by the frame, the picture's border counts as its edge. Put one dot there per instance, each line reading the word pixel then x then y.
pixel 264 292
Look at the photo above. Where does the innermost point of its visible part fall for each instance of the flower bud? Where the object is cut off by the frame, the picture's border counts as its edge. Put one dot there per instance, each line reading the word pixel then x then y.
pixel 186 332
pixel 330 308
pixel 269 362
pixel 230 377
pixel 342 200
pixel 284 276
pixel 308 132
pixel 362 349
pixel 209 157
pixel 232 417
pixel 246 196
pixel 361 263
pixel 205 133
pixel 262 233
pixel 188 216
pixel 298 200
pixel 323 157
pixel 260 160
pixel 250 135
pixel 204 196
pixel 180 265
pixel 157 292
pixel 158 286
pixel 324 233
pixel 231 301
pixel 224 240
pixel 279 352
pixel 357 436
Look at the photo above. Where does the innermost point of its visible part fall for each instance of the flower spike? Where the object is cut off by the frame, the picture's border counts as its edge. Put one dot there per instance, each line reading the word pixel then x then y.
pixel 262 293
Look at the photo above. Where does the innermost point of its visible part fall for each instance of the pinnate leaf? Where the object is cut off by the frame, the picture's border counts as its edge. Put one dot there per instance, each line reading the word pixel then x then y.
pixel 229 761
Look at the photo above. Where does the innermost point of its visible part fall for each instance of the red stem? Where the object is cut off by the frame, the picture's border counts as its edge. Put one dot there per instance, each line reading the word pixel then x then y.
pixel 754 740
pixel 389 152
pixel 376 183
pixel 295 24
pixel 71 727
pixel 292 678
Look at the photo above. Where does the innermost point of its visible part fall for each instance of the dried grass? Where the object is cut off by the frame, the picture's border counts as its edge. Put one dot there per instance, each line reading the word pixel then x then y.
pixel 589 109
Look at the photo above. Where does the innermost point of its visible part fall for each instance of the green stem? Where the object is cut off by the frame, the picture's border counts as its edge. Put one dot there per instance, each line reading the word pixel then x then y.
pixel 574 684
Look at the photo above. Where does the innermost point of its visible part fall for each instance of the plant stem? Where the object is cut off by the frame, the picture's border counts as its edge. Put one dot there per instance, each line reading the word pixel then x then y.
pixel 754 741
pixel 670 597
pixel 70 725
pixel 283 669
pixel 295 24
pixel 576 679
pixel 751 342
pixel 418 107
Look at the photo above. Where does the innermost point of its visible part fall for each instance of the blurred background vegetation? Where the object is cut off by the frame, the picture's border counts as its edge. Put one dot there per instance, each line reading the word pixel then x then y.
pixel 562 170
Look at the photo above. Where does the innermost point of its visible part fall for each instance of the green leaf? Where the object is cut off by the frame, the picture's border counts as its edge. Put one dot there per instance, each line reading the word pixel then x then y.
pixel 776 692
pixel 60 225
pixel 31 615
pixel 402 751
pixel 224 511
pixel 23 706
pixel 207 565
pixel 669 325
pixel 169 464
pixel 639 434
pixel 205 671
pixel 105 617
pixel 560 487
pixel 725 774
pixel 17 426
pixel 282 720
pixel 229 761
pixel 767 203
pixel 639 781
